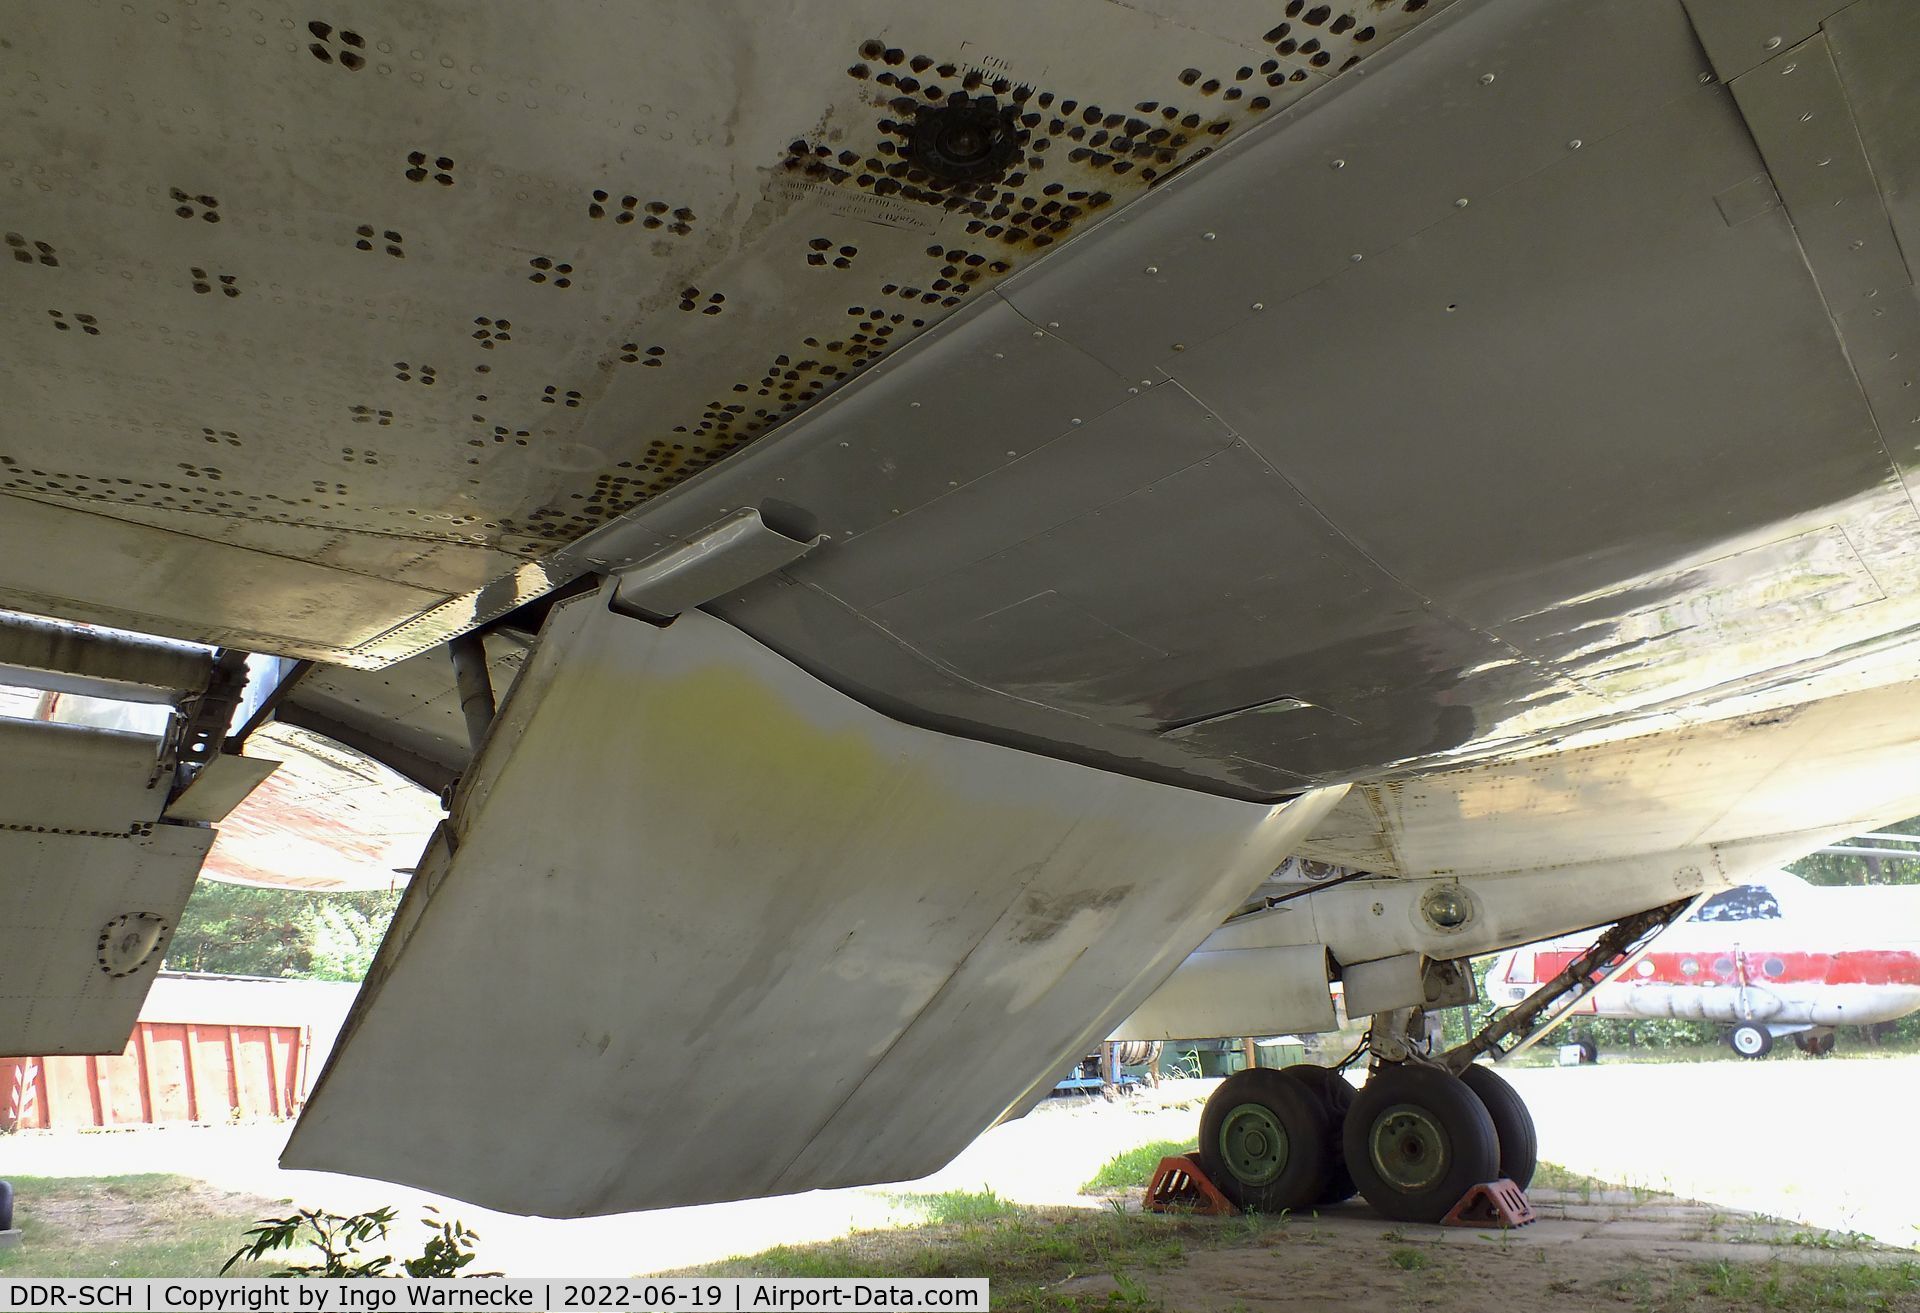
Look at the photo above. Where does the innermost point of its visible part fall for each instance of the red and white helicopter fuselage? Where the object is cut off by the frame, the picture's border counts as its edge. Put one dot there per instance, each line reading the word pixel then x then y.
pixel 1775 957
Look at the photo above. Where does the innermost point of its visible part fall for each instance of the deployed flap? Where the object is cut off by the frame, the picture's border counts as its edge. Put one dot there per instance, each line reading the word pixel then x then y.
pixel 90 885
pixel 77 777
pixel 84 922
pixel 708 929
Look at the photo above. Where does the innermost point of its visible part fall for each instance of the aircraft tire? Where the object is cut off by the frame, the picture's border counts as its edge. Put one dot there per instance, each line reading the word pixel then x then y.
pixel 1334 1096
pixel 1264 1143
pixel 1750 1041
pixel 1512 1122
pixel 1417 1140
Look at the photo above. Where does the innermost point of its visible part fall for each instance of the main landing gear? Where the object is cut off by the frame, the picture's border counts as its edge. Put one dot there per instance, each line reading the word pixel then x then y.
pixel 1413 1139
pixel 1426 1127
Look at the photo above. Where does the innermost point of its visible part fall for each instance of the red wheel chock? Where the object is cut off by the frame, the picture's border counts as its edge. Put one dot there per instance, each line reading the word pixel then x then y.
pixel 1179 1185
pixel 1498 1203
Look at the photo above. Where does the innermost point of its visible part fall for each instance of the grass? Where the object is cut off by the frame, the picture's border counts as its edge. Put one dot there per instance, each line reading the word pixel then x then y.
pixel 1762 1229
pixel 1134 1168
pixel 1028 1252
pixel 1023 1250
pixel 150 1225
pixel 1812 1288
pixel 1552 1176
pixel 955 1206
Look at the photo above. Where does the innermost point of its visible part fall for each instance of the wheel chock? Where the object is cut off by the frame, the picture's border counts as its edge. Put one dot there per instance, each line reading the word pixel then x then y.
pixel 1498 1203
pixel 1179 1185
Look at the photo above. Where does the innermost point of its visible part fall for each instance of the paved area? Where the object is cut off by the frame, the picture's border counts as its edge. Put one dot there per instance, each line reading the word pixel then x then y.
pixel 1822 1142
pixel 1609 1249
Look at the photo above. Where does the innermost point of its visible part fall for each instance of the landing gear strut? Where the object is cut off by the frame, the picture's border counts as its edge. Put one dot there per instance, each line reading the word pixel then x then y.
pixel 1814 1043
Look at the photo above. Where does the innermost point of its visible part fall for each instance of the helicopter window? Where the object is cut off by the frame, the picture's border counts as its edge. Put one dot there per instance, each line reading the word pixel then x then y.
pixel 1743 902
pixel 1723 966
pixel 1689 967
pixel 1774 967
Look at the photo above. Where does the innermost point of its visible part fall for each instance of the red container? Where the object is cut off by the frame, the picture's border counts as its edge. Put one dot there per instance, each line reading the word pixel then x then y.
pixel 170 1072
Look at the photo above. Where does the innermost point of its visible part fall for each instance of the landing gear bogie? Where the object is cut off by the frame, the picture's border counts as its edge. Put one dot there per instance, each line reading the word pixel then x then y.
pixel 1334 1094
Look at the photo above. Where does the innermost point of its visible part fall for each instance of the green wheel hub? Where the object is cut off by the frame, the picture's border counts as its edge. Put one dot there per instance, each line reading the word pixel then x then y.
pixel 1408 1148
pixel 1253 1144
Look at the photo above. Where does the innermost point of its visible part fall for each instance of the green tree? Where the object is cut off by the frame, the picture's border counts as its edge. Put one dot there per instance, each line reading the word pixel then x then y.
pixel 343 938
pixel 239 930
pixel 1851 868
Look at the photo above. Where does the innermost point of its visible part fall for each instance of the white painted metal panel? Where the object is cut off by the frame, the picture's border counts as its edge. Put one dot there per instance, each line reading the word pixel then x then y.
pixel 384 303
pixel 732 933
pixel 1384 983
pixel 220 786
pixel 72 777
pixel 59 894
pixel 1835 766
pixel 1245 991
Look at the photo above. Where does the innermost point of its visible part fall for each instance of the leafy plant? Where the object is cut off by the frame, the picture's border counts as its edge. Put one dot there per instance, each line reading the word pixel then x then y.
pixel 337 1238
pixel 448 1249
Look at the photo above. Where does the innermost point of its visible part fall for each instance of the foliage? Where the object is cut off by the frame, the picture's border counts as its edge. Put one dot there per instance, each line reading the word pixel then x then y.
pixel 1664 1035
pixel 339 1239
pixel 448 1249
pixel 1134 1168
pixel 1849 868
pixel 962 1206
pixel 344 938
pixel 238 930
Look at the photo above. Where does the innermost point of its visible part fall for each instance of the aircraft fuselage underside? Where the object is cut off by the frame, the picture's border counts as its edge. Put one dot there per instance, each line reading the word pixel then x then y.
pixel 1010 477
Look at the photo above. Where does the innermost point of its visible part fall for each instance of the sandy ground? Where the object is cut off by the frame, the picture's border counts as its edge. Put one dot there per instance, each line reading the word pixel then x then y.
pixel 1812 1141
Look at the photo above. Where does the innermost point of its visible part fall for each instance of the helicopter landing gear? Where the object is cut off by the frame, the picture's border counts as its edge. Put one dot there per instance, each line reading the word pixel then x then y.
pixel 1814 1043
